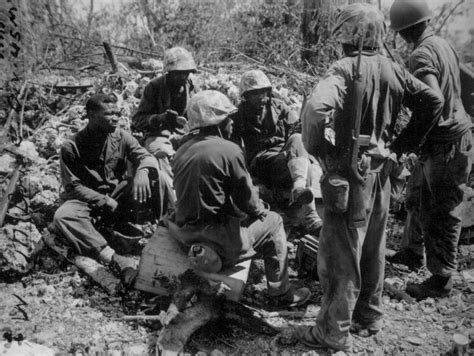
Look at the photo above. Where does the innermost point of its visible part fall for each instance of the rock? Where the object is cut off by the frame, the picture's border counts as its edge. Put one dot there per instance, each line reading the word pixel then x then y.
pixel 18 246
pixel 217 352
pixel 7 163
pixel 27 149
pixel 468 275
pixel 415 340
pixel 44 199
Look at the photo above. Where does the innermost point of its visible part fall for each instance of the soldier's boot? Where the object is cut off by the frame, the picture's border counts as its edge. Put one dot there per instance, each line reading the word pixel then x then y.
pixel 293 297
pixel 125 265
pixel 300 193
pixel 434 287
pixel 406 257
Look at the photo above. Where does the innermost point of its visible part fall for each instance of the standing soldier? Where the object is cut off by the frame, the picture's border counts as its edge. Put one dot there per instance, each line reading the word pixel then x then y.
pixel 362 91
pixel 270 133
pixel 162 110
pixel 445 157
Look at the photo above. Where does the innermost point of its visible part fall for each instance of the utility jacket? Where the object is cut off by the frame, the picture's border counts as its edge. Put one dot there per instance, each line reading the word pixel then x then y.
pixel 329 111
pixel 212 182
pixel 261 132
pixel 213 188
pixel 434 55
pixel 156 99
pixel 91 168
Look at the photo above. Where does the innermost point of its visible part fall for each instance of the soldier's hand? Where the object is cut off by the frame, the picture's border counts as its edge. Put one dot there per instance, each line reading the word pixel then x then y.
pixel 181 121
pixel 171 115
pixel 141 186
pixel 157 119
pixel 110 205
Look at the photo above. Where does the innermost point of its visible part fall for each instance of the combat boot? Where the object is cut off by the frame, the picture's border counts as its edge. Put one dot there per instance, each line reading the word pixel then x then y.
pixel 293 297
pixel 407 258
pixel 434 287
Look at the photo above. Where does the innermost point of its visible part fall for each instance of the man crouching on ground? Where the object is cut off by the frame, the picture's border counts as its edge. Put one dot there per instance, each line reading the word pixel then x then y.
pixel 93 167
pixel 214 189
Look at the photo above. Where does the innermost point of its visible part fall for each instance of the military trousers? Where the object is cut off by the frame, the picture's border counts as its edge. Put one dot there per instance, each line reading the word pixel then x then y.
pixel 351 264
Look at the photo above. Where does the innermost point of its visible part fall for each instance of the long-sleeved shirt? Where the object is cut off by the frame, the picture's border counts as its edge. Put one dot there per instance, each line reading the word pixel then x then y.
pixel 387 87
pixel 433 55
pixel 156 99
pixel 261 131
pixel 91 168
pixel 212 182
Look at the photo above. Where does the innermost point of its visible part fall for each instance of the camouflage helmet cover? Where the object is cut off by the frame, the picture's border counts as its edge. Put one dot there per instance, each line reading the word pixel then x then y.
pixel 360 20
pixel 208 108
pixel 253 80
pixel 178 59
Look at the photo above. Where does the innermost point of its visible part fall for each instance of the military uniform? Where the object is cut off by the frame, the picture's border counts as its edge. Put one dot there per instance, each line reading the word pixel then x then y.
pixel 92 169
pixel 275 153
pixel 351 259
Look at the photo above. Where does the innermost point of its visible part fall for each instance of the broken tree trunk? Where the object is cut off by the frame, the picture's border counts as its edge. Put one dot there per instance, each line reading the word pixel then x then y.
pixel 8 194
pixel 174 336
pixel 164 269
pixel 110 56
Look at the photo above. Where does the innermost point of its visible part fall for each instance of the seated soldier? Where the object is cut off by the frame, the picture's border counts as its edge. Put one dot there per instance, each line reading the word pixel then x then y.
pixel 217 204
pixel 162 109
pixel 93 167
pixel 270 134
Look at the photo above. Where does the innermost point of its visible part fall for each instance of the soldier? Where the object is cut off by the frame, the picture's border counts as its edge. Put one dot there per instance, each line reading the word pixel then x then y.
pixel 445 161
pixel 93 168
pixel 162 109
pixel 363 85
pixel 217 204
pixel 270 134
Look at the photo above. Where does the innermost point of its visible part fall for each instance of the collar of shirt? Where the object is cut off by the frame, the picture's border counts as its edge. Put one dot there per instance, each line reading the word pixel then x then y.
pixel 427 33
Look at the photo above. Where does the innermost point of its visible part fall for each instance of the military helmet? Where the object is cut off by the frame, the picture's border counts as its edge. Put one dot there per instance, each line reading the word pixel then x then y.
pixel 406 13
pixel 253 80
pixel 360 20
pixel 208 108
pixel 177 58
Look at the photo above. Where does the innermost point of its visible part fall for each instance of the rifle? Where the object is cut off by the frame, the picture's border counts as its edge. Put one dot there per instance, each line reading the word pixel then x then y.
pixel 356 210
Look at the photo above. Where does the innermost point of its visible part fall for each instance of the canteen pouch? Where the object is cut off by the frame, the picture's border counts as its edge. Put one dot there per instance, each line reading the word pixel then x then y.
pixel 335 192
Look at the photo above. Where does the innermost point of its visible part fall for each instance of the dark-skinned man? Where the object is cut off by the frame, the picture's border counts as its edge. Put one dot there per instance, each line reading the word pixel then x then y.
pixel 356 186
pixel 270 135
pixel 445 158
pixel 162 109
pixel 93 168
pixel 217 204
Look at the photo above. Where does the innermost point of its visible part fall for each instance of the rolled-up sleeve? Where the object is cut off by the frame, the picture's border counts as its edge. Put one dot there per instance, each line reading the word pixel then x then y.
pixel 427 106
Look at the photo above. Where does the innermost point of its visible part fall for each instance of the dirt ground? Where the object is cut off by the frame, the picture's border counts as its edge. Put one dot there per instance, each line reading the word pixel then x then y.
pixel 59 307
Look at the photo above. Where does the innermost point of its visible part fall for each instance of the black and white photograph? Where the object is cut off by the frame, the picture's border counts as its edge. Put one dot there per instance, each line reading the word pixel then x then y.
pixel 236 177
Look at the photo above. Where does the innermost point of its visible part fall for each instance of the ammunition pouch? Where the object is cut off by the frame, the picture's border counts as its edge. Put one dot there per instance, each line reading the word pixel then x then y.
pixel 335 192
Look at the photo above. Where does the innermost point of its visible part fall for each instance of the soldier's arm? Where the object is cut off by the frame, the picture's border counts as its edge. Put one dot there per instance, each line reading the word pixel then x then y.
pixel 244 193
pixel 427 106
pixel 147 117
pixel 74 187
